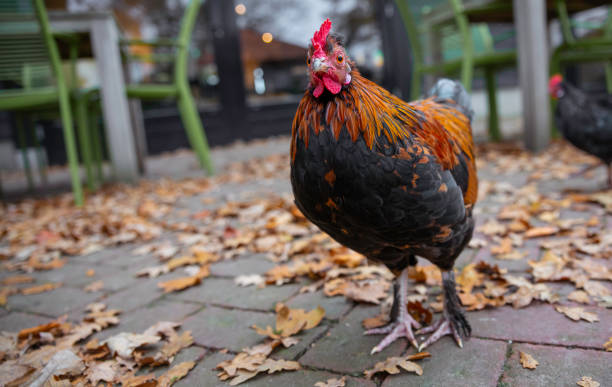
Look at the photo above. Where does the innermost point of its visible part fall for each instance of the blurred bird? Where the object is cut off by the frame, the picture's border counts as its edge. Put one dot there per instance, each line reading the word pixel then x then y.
pixel 388 179
pixel 584 120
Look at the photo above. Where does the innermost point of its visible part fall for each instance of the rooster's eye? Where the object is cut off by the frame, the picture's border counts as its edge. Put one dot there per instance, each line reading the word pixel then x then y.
pixel 340 58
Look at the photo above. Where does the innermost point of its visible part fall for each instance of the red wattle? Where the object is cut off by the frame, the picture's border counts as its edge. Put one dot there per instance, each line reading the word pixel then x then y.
pixel 318 90
pixel 331 84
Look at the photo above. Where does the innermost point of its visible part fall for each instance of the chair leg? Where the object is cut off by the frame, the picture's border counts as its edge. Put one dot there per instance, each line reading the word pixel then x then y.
pixel 42 165
pixel 71 148
pixel 83 136
pixel 494 130
pixel 194 128
pixel 22 142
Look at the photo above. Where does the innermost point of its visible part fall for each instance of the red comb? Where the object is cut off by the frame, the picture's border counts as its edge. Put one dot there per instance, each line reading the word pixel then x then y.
pixel 554 82
pixel 320 38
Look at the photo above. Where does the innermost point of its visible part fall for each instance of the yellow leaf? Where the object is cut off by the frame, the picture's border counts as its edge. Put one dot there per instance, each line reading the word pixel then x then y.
pixel 179 283
pixel 527 361
pixel 41 288
pixel 577 313
pixel 587 381
pixel 393 364
pixel 175 373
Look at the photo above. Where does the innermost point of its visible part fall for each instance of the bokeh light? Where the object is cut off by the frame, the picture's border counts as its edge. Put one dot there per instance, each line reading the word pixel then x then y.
pixel 267 37
pixel 240 9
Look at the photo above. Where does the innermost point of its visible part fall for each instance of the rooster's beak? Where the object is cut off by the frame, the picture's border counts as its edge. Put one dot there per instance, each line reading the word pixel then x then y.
pixel 319 65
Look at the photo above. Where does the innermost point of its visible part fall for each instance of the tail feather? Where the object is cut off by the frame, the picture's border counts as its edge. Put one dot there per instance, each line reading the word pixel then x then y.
pixel 447 89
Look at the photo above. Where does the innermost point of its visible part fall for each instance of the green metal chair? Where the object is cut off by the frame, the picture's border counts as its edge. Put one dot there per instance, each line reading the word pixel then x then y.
pixel 28 51
pixel 489 60
pixel 590 49
pixel 179 88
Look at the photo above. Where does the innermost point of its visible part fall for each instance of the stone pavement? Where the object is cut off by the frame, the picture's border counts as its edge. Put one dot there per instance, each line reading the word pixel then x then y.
pixel 219 313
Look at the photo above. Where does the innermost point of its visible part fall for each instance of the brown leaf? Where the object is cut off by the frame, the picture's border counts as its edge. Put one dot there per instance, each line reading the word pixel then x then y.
pixel 371 292
pixel 577 313
pixel 538 232
pixel 291 321
pixel 179 283
pixel 419 313
pixel 13 374
pixel 25 333
pixel 90 272
pixel 469 278
pixel 333 382
pixel 608 345
pixel 123 344
pixel 5 292
pixel 429 274
pixel 393 364
pixel 579 296
pixel 106 371
pixel 527 361
pixel 175 373
pixel 504 247
pixel 131 380
pixel 587 381
pixel 375 322
pixel 41 288
pixel 94 286
pixel 17 279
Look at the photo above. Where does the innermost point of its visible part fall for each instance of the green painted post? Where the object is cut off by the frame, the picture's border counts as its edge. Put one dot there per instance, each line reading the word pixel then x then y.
pixel 415 44
pixel 80 101
pixel 467 66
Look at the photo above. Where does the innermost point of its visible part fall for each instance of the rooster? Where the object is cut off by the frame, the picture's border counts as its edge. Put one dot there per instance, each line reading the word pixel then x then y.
pixel 585 121
pixel 388 179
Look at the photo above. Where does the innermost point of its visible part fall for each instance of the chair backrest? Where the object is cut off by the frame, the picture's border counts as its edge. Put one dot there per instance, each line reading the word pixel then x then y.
pixel 184 39
pixel 566 23
pixel 24 56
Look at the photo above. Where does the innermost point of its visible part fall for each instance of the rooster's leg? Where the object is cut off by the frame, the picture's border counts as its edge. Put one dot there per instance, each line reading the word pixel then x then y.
pixel 453 321
pixel 403 322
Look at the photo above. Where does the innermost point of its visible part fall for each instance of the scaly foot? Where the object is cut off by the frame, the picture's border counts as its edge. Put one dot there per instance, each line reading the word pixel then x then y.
pixel 395 330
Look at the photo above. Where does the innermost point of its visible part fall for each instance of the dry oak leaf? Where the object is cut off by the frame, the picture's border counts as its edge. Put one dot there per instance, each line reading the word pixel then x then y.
pixel 587 381
pixel 6 291
pixel 13 374
pixel 17 279
pixel 577 313
pixel 131 380
pixel 429 274
pixel 537 232
pixel 94 286
pixel 106 371
pixel 25 333
pixel 371 292
pixel 249 280
pixel 469 278
pixel 123 344
pixel 175 373
pixel 527 361
pixel 90 272
pixel 333 382
pixel 504 247
pixel 392 365
pixel 184 282
pixel 579 296
pixel 41 288
pixel 291 321
pixel 608 345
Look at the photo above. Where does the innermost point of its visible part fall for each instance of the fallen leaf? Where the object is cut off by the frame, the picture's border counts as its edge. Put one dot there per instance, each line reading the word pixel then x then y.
pixel 90 272
pixel 538 232
pixel 608 345
pixel 95 286
pixel 25 333
pixel 64 362
pixel 41 288
pixel 371 292
pixel 175 373
pixel 579 296
pixel 333 382
pixel 123 344
pixel 587 381
pixel 106 371
pixel 577 313
pixel 5 292
pixel 249 280
pixel 17 279
pixel 179 283
pixel 527 361
pixel 13 374
pixel 393 364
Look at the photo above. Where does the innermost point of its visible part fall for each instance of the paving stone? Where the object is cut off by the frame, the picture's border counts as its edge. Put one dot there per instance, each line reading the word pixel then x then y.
pixel 249 264
pixel 193 353
pixel 54 303
pixel 307 338
pixel 478 363
pixel 16 321
pixel 224 328
pixel 346 349
pixel 143 292
pixel 225 292
pixel 205 374
pixel 107 256
pixel 541 323
pixel 335 307
pixel 72 274
pixel 140 319
pixel 557 366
